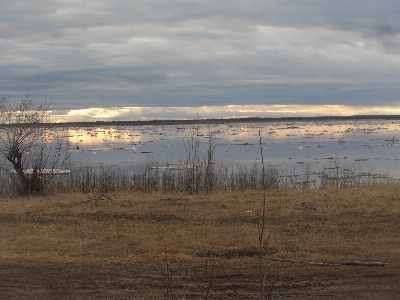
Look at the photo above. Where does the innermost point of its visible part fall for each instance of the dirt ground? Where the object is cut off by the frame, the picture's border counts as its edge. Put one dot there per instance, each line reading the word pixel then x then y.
pixel 231 279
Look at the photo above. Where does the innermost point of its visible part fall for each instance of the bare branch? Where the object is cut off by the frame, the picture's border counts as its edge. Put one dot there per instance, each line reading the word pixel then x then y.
pixel 27 143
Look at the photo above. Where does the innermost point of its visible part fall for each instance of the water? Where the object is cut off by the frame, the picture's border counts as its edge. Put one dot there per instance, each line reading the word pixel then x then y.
pixel 369 146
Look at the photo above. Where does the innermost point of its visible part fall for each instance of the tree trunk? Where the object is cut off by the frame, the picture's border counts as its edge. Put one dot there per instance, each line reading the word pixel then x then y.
pixel 15 158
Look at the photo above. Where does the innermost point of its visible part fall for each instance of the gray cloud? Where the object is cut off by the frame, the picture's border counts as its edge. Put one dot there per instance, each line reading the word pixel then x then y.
pixel 191 53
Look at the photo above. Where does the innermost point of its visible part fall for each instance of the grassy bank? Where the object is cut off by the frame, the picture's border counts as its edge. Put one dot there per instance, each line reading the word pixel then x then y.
pixel 139 246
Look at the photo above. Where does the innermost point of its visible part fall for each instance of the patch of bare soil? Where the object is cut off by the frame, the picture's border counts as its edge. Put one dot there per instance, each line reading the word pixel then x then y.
pixel 222 279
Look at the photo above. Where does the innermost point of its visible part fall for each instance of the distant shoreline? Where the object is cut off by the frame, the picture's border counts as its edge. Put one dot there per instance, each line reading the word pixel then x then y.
pixel 225 121
pixel 160 122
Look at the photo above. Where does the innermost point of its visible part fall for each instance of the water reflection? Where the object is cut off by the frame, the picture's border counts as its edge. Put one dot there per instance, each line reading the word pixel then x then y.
pixel 291 147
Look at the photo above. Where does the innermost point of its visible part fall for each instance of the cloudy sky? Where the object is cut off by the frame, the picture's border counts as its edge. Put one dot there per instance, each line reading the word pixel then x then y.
pixel 145 58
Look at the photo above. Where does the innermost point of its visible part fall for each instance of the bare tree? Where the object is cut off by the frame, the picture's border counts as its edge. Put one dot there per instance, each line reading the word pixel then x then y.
pixel 30 145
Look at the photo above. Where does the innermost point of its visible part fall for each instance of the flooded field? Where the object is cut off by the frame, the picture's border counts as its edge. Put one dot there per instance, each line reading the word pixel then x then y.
pixel 370 147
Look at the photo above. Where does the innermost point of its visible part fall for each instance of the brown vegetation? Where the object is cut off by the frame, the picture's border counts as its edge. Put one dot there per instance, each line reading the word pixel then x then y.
pixel 203 178
pixel 181 246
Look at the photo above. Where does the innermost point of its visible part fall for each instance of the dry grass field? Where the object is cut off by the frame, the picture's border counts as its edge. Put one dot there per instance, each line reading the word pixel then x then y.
pixel 179 246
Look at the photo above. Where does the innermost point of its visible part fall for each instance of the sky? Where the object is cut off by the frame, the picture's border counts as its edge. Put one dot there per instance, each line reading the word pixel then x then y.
pixel 147 59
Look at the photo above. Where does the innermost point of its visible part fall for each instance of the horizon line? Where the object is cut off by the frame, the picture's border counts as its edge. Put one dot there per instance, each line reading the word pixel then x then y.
pixel 229 120
pixel 216 112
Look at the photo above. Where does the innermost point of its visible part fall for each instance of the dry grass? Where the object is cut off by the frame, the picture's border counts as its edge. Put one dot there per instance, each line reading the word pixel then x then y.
pixel 77 246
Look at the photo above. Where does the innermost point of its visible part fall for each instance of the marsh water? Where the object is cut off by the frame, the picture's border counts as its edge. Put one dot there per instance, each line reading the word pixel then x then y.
pixel 370 146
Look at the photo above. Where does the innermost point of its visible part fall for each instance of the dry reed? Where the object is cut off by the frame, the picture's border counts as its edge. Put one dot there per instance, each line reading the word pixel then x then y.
pixel 224 179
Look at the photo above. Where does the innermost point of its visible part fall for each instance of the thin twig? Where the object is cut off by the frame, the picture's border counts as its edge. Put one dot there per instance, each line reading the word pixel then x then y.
pixel 210 281
pixel 169 274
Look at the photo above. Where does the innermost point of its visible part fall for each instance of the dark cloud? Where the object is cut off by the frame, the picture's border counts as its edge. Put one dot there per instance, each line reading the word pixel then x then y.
pixel 190 53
